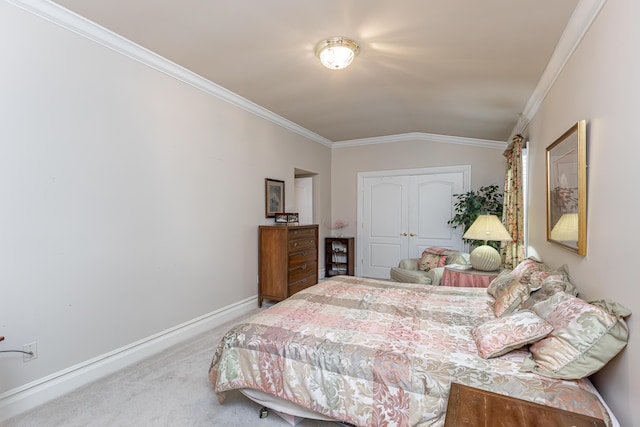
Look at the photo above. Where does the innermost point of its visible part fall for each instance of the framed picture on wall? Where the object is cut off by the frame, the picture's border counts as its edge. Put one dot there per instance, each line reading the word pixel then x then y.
pixel 567 189
pixel 273 197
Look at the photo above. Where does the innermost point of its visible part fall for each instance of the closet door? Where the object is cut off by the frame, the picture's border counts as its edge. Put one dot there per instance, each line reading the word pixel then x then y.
pixel 386 210
pixel 430 207
pixel 401 215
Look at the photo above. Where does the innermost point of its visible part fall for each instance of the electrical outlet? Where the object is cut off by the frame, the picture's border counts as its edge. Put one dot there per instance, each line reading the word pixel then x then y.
pixel 31 347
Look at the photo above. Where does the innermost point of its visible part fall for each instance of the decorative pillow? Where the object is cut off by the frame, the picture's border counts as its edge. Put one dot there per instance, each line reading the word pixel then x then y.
pixel 499 336
pixel 585 336
pixel 432 258
pixel 440 251
pixel 527 266
pixel 551 285
pixel 512 297
pixel 500 283
pixel 538 276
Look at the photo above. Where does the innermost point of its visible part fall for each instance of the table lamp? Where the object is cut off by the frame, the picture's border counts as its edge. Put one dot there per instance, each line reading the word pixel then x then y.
pixel 486 227
pixel 566 229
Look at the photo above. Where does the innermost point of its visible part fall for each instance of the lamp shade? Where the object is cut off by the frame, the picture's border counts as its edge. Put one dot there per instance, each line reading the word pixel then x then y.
pixel 487 227
pixel 566 229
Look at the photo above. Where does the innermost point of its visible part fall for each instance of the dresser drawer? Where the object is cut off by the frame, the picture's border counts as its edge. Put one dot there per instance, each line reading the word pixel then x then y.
pixel 302 243
pixel 302 233
pixel 307 269
pixel 302 256
pixel 301 284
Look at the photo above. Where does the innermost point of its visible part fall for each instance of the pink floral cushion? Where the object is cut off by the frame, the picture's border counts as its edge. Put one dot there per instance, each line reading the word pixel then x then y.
pixel 526 266
pixel 550 285
pixel 499 336
pixel 516 293
pixel 500 283
pixel 429 261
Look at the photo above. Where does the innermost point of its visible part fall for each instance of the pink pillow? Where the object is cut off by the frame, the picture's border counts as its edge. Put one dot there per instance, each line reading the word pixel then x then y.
pixel 430 260
pixel 499 336
pixel 525 267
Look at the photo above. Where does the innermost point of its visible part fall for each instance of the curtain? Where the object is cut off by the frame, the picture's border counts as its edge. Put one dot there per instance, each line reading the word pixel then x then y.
pixel 512 213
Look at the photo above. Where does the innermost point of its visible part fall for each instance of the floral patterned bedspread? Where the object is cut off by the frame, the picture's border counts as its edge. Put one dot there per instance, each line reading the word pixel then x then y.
pixel 374 353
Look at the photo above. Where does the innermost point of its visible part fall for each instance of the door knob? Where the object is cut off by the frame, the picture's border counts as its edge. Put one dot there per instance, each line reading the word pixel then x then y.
pixel 403 234
pixel 412 234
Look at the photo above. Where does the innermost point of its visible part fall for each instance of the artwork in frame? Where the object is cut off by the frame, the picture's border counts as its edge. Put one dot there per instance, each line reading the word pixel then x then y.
pixel 567 189
pixel 281 218
pixel 274 197
pixel 286 217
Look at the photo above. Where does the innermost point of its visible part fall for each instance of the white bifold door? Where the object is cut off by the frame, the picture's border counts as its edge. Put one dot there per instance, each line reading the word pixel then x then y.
pixel 403 212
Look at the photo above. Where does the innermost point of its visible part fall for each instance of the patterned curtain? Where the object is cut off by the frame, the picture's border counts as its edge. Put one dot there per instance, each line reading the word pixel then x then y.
pixel 512 214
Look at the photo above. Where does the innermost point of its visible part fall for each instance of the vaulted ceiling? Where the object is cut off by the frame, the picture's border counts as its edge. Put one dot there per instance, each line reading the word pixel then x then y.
pixel 463 68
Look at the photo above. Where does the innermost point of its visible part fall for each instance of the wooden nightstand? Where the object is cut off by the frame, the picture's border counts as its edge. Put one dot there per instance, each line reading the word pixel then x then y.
pixel 464 276
pixel 472 407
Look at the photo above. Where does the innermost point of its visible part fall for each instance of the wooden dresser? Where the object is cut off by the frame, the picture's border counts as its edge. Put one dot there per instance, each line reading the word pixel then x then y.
pixel 287 260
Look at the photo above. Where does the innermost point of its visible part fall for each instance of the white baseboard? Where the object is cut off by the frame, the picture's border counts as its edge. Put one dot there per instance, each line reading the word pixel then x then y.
pixel 28 396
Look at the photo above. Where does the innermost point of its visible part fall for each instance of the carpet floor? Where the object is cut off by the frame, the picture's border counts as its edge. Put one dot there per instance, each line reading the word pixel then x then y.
pixel 171 388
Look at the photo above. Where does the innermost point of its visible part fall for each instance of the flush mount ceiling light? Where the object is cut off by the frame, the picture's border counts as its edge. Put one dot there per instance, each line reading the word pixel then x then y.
pixel 337 53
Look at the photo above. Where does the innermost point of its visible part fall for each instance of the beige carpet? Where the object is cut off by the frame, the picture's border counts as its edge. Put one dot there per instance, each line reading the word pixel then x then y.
pixel 169 389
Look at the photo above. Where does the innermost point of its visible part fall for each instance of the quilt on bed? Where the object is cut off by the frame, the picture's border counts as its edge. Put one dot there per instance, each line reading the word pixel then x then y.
pixel 373 353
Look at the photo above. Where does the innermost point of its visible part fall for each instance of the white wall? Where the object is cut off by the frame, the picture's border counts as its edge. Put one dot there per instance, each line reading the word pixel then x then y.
pixel 129 200
pixel 487 167
pixel 601 83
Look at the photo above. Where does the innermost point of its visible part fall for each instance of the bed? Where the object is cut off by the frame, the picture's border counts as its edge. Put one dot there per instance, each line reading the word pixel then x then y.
pixel 370 353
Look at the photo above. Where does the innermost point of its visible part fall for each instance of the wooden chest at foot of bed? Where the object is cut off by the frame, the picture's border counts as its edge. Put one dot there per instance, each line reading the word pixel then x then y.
pixel 471 407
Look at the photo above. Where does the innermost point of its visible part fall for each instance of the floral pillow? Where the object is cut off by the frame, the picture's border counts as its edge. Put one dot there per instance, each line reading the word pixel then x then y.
pixel 585 336
pixel 499 336
pixel 551 285
pixel 512 297
pixel 500 283
pixel 538 276
pixel 527 266
pixel 432 258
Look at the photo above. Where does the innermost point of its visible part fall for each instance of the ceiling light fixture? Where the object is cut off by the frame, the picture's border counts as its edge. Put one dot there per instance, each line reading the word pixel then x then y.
pixel 337 53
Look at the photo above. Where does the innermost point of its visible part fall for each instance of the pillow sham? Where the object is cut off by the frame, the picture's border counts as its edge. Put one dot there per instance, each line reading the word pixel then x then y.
pixel 539 275
pixel 527 266
pixel 550 285
pixel 500 283
pixel 512 297
pixel 584 338
pixel 504 334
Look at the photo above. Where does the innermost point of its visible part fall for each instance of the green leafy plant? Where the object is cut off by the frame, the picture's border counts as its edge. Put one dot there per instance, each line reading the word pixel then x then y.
pixel 470 205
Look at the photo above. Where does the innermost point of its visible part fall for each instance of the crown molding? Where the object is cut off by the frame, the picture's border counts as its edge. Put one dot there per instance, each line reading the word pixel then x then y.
pixel 583 16
pixel 75 23
pixel 419 136
pixel 585 13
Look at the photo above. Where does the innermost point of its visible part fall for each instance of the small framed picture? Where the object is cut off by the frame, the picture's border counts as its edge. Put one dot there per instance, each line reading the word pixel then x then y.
pixel 292 217
pixel 273 197
pixel 281 218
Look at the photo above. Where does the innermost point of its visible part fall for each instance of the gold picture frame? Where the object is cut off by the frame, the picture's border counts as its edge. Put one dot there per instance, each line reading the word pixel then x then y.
pixel 567 189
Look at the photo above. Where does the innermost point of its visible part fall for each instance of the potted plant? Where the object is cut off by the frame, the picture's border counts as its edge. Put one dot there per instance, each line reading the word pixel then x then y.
pixel 469 205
